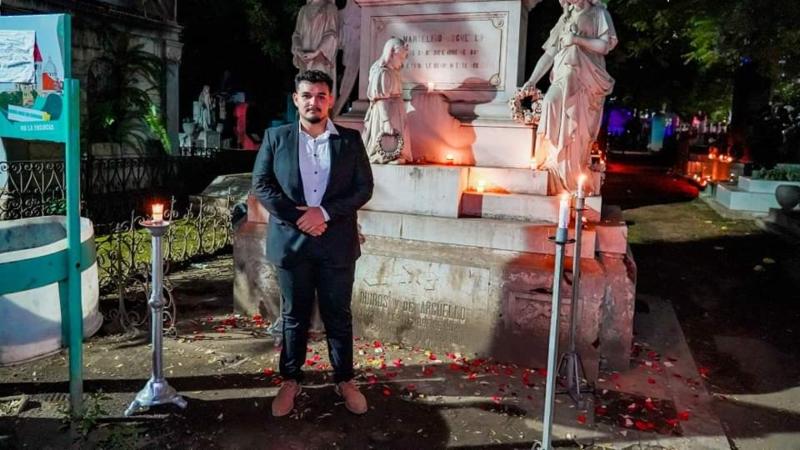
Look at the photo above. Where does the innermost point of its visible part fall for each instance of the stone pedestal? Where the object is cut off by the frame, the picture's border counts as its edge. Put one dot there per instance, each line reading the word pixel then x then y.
pixel 470 285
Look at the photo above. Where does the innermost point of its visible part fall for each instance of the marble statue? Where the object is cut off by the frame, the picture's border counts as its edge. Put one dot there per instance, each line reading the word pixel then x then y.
pixel 204 115
pixel 315 38
pixel 385 132
pixel 350 43
pixel 572 108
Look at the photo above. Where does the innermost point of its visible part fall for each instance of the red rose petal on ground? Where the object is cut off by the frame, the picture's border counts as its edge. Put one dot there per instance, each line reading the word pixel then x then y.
pixel 387 392
pixel 704 371
pixel 581 419
pixel 651 381
pixel 542 372
pixel 649 404
pixel 377 344
pixel 496 399
pixel 310 362
pixel 451 355
pixel 601 410
pixel 432 357
pixel 472 376
pixel 672 422
pixel 643 425
pixel 683 416
pixel 269 372
pixel 398 362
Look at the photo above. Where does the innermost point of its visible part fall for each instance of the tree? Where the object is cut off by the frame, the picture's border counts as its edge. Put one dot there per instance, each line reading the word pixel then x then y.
pixel 122 83
pixel 753 46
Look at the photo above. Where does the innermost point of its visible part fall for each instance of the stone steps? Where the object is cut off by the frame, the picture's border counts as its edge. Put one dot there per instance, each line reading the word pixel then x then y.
pixel 608 235
pixel 522 207
pixel 516 236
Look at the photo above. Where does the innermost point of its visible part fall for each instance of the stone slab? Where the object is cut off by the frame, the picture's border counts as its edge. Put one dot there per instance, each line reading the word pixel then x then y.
pixel 511 235
pixel 762 186
pixel 733 197
pixel 521 206
pixel 235 187
pixel 510 206
pixel 466 299
pixel 509 181
pixel 527 237
pixel 418 189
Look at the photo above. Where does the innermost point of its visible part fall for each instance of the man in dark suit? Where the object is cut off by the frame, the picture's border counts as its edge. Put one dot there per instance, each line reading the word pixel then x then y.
pixel 312 177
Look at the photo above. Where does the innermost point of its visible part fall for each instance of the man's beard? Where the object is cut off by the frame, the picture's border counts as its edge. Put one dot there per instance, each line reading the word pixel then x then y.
pixel 314 119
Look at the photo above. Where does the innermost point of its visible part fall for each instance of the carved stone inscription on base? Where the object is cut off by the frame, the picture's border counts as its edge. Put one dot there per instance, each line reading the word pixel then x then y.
pixel 449 52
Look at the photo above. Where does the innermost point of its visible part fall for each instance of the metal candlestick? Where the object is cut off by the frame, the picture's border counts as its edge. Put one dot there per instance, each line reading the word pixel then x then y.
pixel 561 241
pixel 570 366
pixel 157 391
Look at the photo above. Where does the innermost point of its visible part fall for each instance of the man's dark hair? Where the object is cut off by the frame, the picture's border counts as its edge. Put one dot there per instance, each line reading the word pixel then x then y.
pixel 313 76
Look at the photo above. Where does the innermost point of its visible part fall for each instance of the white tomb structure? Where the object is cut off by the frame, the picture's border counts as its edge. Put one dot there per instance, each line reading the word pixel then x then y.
pixel 457 254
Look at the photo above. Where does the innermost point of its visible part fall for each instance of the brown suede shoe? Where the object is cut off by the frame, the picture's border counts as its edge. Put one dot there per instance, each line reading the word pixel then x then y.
pixel 354 400
pixel 283 403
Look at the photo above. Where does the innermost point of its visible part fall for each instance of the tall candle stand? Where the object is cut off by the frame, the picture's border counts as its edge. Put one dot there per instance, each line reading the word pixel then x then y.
pixel 157 391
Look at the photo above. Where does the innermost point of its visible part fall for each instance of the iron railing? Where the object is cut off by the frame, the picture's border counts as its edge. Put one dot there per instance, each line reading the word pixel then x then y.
pixel 124 265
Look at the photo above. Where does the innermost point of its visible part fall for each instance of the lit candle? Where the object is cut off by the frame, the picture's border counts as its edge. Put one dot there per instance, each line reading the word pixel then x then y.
pixel 449 158
pixel 563 211
pixel 581 180
pixel 431 86
pixel 158 212
pixel 533 163
pixel 481 186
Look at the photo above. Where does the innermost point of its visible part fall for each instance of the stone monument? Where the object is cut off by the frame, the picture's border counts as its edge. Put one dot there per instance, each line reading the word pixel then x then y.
pixel 457 256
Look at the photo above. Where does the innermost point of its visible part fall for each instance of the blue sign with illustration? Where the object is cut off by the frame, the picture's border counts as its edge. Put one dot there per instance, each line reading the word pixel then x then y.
pixel 34 62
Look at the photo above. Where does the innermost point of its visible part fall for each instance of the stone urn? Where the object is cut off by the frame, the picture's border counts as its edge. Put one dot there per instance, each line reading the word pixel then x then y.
pixel 788 196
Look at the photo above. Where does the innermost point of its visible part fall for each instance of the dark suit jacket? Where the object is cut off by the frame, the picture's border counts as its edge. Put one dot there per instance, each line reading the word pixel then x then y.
pixel 279 187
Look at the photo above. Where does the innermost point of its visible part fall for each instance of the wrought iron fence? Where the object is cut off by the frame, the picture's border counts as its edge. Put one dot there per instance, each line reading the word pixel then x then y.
pixel 124 266
pixel 114 194
pixel 113 186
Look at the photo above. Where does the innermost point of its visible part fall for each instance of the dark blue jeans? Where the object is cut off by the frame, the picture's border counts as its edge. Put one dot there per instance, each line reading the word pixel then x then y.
pixel 333 288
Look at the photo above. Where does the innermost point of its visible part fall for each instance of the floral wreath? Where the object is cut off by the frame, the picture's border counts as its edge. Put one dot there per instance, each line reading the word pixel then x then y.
pixel 521 114
pixel 393 154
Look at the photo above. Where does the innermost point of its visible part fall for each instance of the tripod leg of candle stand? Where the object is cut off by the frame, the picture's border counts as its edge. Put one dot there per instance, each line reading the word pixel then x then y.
pixel 571 369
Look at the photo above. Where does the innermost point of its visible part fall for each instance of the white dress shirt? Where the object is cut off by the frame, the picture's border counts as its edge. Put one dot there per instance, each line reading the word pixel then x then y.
pixel 314 156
